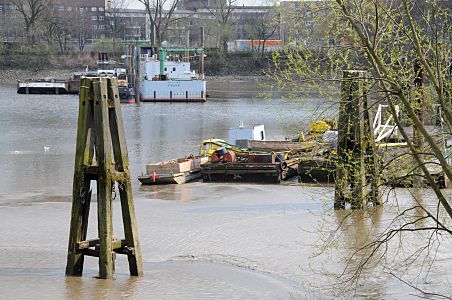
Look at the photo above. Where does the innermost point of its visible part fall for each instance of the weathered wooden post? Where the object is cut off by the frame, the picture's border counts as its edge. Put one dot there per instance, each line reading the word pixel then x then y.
pixel 136 76
pixel 418 139
pixel 101 155
pixel 201 55
pixel 357 166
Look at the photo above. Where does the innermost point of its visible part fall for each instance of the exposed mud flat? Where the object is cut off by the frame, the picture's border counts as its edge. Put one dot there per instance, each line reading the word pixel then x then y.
pixel 199 240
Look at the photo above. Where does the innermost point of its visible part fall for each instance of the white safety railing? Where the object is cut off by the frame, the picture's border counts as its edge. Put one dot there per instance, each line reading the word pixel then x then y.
pixel 382 131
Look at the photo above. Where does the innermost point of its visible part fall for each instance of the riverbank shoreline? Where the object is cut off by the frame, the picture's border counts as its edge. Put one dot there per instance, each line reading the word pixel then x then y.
pixel 12 76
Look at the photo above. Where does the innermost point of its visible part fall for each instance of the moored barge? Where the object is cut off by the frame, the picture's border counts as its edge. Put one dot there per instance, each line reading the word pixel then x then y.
pixel 175 171
pixel 172 81
pixel 43 86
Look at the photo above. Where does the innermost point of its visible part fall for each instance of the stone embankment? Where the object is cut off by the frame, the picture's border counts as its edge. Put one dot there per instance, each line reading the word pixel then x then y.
pixel 231 69
pixel 11 76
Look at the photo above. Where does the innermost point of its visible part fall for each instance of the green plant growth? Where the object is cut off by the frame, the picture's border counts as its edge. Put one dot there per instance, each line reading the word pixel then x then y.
pixel 405 46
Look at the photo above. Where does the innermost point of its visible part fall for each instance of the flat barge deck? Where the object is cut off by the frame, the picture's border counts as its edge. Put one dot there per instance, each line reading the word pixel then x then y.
pixel 48 86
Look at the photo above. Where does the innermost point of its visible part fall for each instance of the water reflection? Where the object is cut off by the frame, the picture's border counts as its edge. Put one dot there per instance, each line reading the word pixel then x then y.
pixel 81 288
pixel 169 192
pixel 269 229
pixel 154 132
pixel 358 229
pixel 373 247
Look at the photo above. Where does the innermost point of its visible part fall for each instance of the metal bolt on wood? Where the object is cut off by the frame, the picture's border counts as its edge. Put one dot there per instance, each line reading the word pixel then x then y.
pixel 101 156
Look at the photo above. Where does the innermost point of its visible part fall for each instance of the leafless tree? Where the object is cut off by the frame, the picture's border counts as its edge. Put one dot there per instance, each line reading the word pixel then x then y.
pixel 31 11
pixel 114 19
pixel 262 27
pixel 161 16
pixel 82 30
pixel 57 29
pixel 222 11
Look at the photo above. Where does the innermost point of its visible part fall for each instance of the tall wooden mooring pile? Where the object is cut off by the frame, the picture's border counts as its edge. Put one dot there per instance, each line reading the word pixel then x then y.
pixel 101 156
pixel 358 167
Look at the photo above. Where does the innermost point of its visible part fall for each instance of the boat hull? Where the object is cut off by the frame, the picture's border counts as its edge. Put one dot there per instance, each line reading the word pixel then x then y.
pixel 43 86
pixel 317 170
pixel 177 178
pixel 242 172
pixel 173 91
pixel 126 94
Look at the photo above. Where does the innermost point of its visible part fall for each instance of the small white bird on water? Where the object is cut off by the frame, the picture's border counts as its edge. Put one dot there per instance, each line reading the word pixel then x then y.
pixel 46 149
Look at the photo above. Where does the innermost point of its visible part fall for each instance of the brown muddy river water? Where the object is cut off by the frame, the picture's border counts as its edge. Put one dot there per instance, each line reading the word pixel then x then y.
pixel 199 240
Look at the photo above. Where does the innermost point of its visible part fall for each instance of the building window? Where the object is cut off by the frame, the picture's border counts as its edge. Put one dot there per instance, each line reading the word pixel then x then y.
pixel 94 18
pixel 61 8
pixel 95 26
pixel 81 9
pixel 69 8
pixel 102 26
pixel 101 9
pixel 93 8
pixel 101 18
pixel 1 8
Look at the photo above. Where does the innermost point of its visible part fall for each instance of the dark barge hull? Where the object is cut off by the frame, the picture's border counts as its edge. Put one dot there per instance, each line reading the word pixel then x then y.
pixel 242 172
pixel 317 170
pixel 36 90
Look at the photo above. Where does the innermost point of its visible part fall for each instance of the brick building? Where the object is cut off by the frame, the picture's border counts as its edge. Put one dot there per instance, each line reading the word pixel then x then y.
pixel 241 19
pixel 83 22
pixel 79 22
pixel 127 24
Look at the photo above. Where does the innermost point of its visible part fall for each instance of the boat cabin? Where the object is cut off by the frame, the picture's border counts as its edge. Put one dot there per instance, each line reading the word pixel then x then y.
pixel 254 133
pixel 173 70
pixel 209 146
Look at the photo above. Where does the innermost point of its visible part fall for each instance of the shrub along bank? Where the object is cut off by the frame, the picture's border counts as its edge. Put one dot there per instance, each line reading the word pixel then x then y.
pixel 19 64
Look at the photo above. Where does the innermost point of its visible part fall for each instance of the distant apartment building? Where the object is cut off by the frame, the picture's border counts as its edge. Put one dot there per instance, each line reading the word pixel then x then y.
pixel 127 24
pixel 243 23
pixel 78 21
pixel 83 22
pixel 86 19
pixel 304 23
pixel 11 23
pixel 194 5
pixel 307 23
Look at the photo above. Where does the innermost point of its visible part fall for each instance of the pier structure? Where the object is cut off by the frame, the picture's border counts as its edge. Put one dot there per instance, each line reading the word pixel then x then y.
pixel 101 156
pixel 358 167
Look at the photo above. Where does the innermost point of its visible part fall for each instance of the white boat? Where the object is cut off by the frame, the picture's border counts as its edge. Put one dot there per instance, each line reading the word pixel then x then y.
pixel 43 86
pixel 171 81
